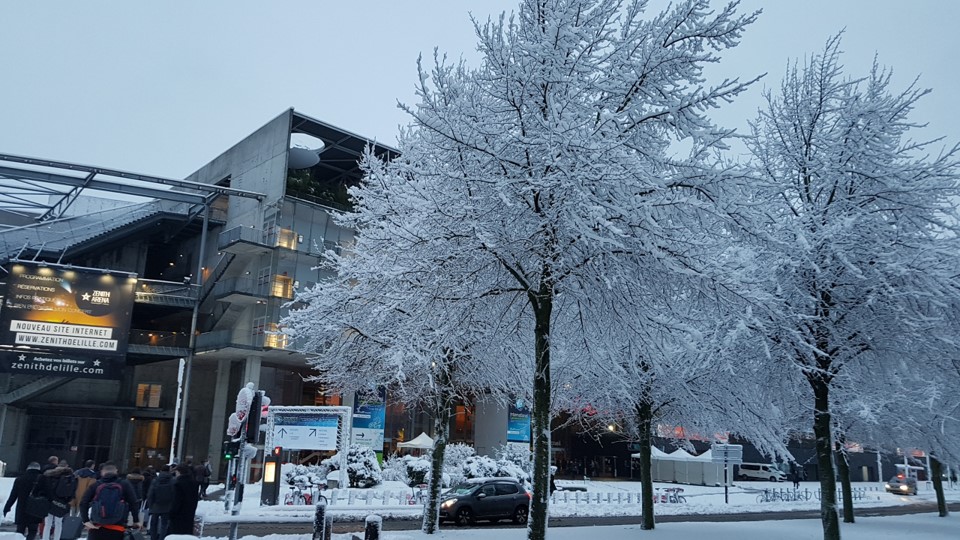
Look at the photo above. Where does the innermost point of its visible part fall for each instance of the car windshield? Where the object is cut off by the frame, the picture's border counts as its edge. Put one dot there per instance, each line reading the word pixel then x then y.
pixel 462 489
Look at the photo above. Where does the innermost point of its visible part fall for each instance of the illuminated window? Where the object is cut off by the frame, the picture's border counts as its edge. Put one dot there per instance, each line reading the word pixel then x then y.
pixel 273 337
pixel 286 238
pixel 148 395
pixel 282 287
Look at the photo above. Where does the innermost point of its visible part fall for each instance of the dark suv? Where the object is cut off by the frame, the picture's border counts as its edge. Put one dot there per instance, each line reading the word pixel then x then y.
pixel 488 498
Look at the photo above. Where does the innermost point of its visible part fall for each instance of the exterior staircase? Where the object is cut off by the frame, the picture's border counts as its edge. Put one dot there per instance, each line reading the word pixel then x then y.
pixel 32 388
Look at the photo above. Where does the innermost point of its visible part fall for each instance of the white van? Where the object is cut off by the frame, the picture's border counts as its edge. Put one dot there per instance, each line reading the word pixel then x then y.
pixel 760 471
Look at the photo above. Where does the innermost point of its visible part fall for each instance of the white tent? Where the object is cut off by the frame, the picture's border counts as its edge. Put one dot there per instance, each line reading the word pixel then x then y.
pixel 681 467
pixel 420 442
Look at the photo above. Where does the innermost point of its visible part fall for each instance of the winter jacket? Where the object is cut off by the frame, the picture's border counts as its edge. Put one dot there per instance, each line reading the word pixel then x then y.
pixel 186 497
pixel 48 484
pixel 85 479
pixel 136 481
pixel 162 493
pixel 128 495
pixel 148 478
pixel 22 487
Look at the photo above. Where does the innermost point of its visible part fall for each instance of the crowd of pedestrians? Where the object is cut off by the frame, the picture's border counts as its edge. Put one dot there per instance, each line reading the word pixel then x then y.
pixel 62 502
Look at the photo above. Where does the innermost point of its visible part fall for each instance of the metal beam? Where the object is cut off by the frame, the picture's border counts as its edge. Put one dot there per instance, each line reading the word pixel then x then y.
pixel 185 184
pixel 64 203
pixel 112 187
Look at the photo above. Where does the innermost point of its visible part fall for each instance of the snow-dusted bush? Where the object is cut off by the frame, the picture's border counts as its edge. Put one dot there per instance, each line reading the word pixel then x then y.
pixel 517 454
pixel 363 469
pixel 395 469
pixel 454 458
pixel 307 475
pixel 486 467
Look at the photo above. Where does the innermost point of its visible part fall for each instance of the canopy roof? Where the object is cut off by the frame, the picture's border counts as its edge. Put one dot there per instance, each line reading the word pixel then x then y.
pixel 422 441
pixel 677 455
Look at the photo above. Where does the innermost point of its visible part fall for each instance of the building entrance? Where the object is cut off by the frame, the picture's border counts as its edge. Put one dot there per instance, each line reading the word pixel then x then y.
pixel 72 439
pixel 151 442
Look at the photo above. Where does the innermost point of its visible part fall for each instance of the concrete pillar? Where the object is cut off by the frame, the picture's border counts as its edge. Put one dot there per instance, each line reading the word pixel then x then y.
pixel 490 425
pixel 251 371
pixel 223 405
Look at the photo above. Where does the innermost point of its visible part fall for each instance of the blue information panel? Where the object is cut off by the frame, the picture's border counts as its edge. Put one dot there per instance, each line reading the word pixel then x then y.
pixel 369 417
pixel 518 422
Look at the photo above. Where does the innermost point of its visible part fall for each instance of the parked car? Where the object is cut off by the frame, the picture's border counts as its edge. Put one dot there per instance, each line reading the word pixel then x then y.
pixel 902 485
pixel 486 498
pixel 760 471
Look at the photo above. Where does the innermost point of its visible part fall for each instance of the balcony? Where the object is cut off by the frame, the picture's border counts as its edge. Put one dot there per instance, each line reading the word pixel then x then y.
pixel 155 342
pixel 272 338
pixel 244 241
pixel 240 290
pixel 166 293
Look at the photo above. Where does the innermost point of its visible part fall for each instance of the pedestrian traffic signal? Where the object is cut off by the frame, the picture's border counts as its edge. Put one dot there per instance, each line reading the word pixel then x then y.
pixel 277 450
pixel 230 449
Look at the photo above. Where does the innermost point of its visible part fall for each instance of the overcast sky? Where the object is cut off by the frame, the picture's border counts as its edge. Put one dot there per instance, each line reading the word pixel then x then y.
pixel 164 87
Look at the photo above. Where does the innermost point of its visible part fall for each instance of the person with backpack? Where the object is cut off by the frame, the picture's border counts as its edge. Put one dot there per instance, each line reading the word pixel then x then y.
pixel 86 477
pixel 59 486
pixel 51 463
pixel 160 500
pixel 108 504
pixel 23 487
pixel 185 499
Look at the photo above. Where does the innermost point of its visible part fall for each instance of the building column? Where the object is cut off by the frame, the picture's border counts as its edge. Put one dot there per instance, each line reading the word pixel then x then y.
pixel 251 371
pixel 222 407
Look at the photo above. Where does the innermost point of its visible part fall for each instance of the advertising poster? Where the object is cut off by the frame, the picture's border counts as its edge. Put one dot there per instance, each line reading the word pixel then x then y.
pixel 369 417
pixel 65 322
pixel 518 422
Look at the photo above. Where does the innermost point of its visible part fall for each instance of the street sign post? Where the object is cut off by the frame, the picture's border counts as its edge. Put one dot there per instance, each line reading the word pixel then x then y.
pixel 311 428
pixel 728 454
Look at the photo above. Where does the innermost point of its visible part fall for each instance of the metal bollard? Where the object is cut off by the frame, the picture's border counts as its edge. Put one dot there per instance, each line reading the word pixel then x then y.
pixel 322 524
pixel 372 527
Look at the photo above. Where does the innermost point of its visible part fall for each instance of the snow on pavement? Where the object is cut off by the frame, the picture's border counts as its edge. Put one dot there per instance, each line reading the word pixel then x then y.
pixel 917 526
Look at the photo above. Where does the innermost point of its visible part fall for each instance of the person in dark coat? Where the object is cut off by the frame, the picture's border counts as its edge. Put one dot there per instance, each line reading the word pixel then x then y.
pixel 185 499
pixel 160 500
pixel 59 505
pixel 51 463
pixel 22 487
pixel 136 481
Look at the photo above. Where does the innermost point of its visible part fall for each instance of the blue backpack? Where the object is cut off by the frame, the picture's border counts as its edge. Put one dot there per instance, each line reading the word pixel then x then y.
pixel 108 506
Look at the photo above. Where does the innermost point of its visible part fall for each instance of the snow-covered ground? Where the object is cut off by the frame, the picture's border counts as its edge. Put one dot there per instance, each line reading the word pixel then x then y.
pixel 601 499
pixel 919 526
pixel 615 499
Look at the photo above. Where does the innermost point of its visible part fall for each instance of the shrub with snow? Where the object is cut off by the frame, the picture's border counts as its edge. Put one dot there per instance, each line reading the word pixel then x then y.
pixel 306 475
pixel 363 469
pixel 486 467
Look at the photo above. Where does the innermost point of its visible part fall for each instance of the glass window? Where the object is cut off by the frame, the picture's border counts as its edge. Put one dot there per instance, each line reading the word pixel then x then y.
pixel 148 395
pixel 505 488
pixel 489 490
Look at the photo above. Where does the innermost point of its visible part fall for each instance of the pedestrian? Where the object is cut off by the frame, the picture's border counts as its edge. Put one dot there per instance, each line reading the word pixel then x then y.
pixel 107 505
pixel 796 479
pixel 86 477
pixel 160 501
pixel 136 482
pixel 23 486
pixel 202 473
pixel 148 477
pixel 185 499
pixel 51 463
pixel 59 486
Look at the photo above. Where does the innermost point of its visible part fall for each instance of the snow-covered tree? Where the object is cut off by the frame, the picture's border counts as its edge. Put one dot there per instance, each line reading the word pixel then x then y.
pixel 856 226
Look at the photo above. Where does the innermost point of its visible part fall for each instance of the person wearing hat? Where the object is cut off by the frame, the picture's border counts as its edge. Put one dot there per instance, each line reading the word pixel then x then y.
pixel 22 487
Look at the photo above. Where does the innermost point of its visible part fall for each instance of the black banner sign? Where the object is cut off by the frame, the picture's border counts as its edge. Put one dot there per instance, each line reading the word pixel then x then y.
pixel 67 322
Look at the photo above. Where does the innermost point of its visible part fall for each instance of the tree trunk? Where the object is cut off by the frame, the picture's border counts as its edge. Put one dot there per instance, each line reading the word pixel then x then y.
pixel 824 447
pixel 539 505
pixel 936 471
pixel 645 425
pixel 441 425
pixel 843 469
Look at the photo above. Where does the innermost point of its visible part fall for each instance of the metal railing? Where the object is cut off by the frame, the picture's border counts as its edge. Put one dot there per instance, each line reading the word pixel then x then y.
pixel 157 338
pixel 153 291
pixel 241 234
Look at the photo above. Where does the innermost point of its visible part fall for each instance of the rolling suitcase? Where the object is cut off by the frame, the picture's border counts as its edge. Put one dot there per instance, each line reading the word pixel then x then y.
pixel 72 528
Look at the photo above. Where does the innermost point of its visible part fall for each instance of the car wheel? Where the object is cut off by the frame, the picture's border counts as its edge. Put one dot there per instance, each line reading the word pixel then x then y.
pixel 773 478
pixel 465 517
pixel 520 515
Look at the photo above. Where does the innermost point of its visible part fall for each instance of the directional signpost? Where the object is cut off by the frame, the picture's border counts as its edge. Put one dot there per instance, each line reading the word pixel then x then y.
pixel 728 454
pixel 311 428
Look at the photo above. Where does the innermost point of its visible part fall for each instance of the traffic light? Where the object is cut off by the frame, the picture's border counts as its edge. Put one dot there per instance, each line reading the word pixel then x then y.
pixel 253 418
pixel 230 449
pixel 277 450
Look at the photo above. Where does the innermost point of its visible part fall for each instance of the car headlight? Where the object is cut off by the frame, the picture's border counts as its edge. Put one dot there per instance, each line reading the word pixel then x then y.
pixel 448 503
pixel 887 486
pixel 905 488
